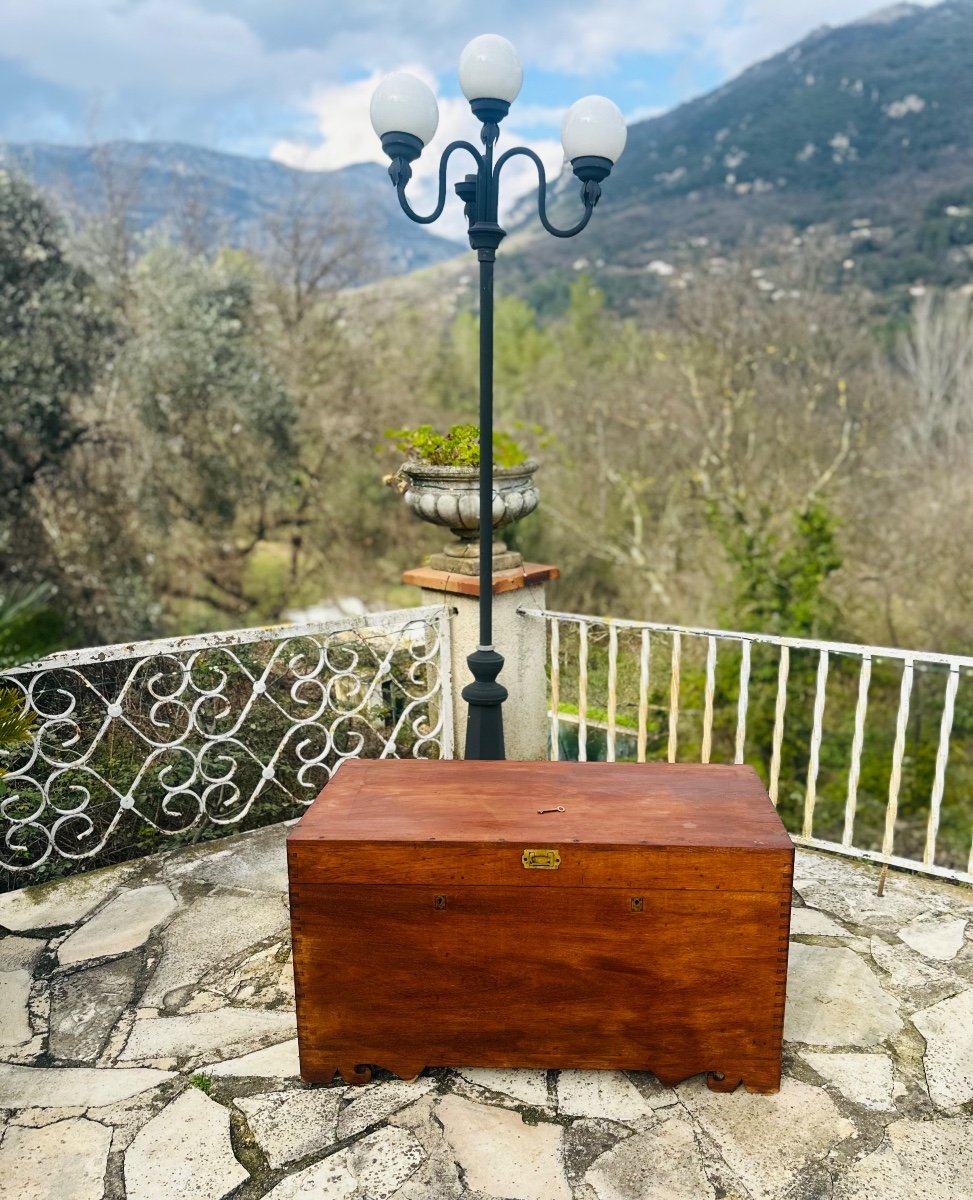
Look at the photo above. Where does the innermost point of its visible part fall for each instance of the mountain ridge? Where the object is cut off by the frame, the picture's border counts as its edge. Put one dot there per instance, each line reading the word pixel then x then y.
pixel 166 184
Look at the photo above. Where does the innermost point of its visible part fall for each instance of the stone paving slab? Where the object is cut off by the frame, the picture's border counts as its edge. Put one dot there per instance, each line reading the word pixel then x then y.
pixel 86 1006
pixel 275 1062
pixel 66 902
pixel 293 1124
pixel 105 971
pixel 662 1164
pixel 529 1087
pixel 438 1176
pixel 937 937
pixel 931 1160
pixel 865 1079
pixel 767 1140
pixel 372 1169
pixel 86 1087
pixel 608 1095
pixel 257 863
pixel 375 1102
pixel 14 1008
pixel 531 1164
pixel 210 928
pixel 908 971
pixel 184 1153
pixel 205 1033
pixel 20 953
pixel 833 999
pixel 62 1161
pixel 948 1030
pixel 120 926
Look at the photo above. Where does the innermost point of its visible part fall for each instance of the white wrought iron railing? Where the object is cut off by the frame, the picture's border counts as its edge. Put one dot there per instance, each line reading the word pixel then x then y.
pixel 866 750
pixel 135 744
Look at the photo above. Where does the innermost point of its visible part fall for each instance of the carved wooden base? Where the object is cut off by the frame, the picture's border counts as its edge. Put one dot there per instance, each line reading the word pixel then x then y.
pixel 758 1078
pixel 761 1081
pixel 360 1073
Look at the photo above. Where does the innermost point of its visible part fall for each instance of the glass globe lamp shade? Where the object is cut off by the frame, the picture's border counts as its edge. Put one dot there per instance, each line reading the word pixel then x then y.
pixel 490 69
pixel 402 103
pixel 593 127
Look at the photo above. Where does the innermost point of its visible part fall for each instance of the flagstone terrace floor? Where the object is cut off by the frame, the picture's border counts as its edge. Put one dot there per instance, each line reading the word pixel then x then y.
pixel 147 1050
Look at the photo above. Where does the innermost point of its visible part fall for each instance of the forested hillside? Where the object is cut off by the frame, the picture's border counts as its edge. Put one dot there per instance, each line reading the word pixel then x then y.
pixel 858 139
pixel 194 441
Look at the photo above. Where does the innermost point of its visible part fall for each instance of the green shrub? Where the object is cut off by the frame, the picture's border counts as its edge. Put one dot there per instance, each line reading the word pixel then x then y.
pixel 458 448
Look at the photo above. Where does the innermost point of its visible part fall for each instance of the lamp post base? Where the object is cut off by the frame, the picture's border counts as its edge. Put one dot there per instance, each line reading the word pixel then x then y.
pixel 524 641
pixel 485 697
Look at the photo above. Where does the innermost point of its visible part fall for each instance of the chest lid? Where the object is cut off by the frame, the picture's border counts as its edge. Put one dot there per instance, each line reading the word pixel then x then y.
pixel 651 825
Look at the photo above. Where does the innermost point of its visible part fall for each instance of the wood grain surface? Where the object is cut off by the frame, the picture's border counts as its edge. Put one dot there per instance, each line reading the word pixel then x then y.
pixel 657 804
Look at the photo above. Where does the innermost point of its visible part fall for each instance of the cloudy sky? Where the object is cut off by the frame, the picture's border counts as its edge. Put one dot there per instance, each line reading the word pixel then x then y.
pixel 292 78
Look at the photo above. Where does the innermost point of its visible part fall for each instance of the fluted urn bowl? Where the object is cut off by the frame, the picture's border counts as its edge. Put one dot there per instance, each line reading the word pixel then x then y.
pixel 450 496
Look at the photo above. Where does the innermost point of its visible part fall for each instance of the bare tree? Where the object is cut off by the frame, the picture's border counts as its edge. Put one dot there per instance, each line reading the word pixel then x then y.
pixel 107 241
pixel 317 244
pixel 937 356
pixel 197 224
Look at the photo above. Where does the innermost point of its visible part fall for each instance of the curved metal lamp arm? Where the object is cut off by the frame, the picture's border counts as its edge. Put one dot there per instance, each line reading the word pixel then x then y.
pixel 589 206
pixel 443 164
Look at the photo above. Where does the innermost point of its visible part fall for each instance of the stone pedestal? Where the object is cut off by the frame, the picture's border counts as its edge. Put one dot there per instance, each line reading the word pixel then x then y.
pixel 521 640
pixel 463 558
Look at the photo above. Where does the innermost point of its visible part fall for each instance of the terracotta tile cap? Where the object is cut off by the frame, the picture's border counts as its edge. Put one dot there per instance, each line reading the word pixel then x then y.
pixel 469 585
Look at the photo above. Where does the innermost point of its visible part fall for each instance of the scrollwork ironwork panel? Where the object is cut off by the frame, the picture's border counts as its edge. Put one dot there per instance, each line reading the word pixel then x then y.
pixel 139 746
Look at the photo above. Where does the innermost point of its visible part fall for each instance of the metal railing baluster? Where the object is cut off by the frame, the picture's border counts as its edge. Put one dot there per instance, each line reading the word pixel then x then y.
pixel 583 692
pixel 780 708
pixel 942 761
pixel 743 701
pixel 674 697
pixel 858 742
pixel 898 757
pixel 810 795
pixel 707 747
pixel 612 689
pixel 275 710
pixel 555 688
pixel 644 656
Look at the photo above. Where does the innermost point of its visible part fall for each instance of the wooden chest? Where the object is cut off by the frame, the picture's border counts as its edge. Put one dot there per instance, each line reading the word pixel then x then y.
pixel 439 919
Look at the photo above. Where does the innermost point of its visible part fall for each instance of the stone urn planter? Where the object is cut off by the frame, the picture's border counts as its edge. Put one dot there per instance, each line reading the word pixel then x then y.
pixel 450 497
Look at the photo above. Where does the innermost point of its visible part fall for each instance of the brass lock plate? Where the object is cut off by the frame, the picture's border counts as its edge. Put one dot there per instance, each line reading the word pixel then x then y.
pixel 541 860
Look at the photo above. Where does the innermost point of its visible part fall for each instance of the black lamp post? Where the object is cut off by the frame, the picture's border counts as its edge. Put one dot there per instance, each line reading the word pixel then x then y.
pixel 405 116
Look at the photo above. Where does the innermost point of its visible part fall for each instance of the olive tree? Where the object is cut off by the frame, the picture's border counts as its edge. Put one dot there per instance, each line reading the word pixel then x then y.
pixel 54 338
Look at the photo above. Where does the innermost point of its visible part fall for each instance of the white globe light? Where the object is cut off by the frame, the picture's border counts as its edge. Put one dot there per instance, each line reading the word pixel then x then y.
pixel 489 69
pixel 404 104
pixel 593 126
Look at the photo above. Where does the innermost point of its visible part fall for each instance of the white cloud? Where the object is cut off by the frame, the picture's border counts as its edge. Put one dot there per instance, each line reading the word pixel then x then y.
pixel 346 136
pixel 196 68
pixel 101 44
pixel 343 124
pixel 205 46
